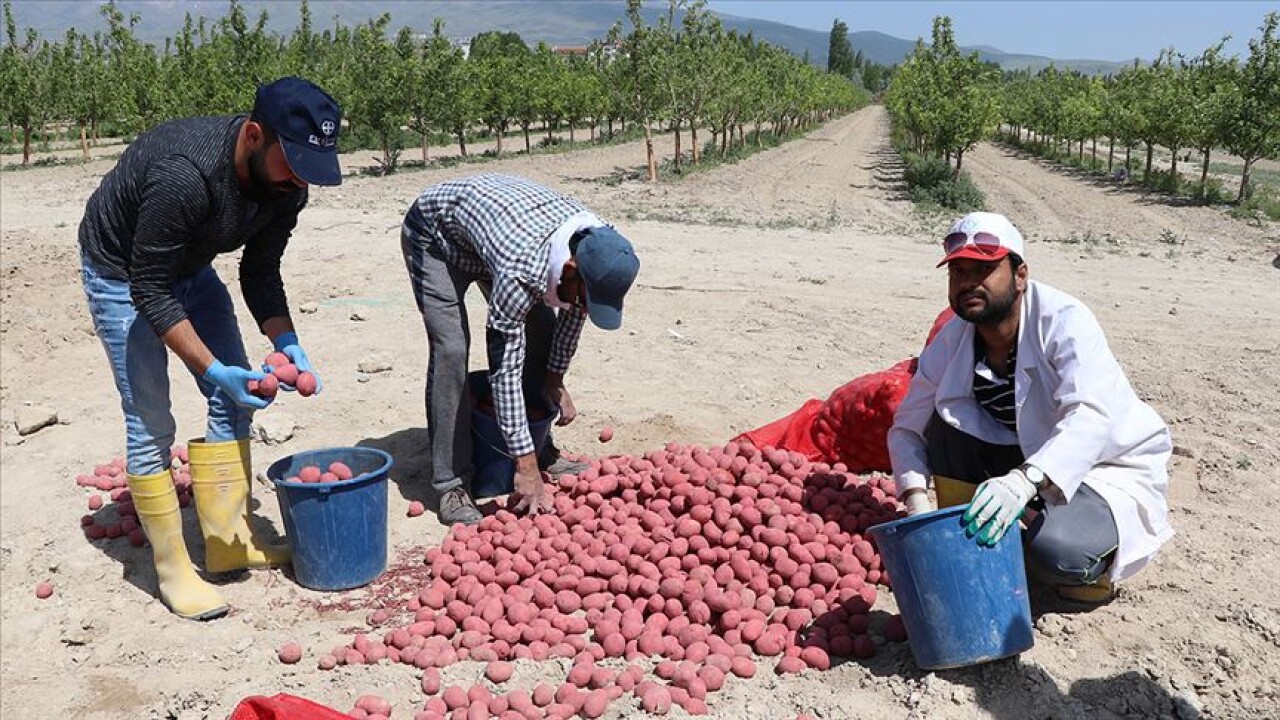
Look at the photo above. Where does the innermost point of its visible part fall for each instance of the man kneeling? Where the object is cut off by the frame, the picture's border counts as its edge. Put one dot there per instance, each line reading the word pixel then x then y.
pixel 1020 397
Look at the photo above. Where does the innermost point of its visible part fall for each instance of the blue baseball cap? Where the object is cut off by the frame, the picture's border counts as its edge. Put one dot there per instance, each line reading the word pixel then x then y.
pixel 307 121
pixel 608 265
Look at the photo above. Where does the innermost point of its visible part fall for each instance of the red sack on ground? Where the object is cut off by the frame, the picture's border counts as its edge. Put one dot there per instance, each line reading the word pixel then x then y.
pixel 852 426
pixel 793 432
pixel 283 707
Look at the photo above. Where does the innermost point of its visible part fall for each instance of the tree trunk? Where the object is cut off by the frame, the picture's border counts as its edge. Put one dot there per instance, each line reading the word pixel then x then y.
pixel 1080 154
pixel 1244 181
pixel 571 140
pixel 1146 174
pixel 1095 152
pixel 676 166
pixel 94 124
pixel 610 127
pixel 462 141
pixel 650 160
pixel 1111 152
pixel 1204 172
pixel 593 133
pixel 26 144
pixel 1173 167
pixel 498 148
pixel 1127 149
pixel 959 159
pixel 742 136
pixel 693 140
pixel 84 142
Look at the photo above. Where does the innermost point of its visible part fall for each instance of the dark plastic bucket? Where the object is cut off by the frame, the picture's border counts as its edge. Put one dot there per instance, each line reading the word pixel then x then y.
pixel 338 531
pixel 961 603
pixel 495 469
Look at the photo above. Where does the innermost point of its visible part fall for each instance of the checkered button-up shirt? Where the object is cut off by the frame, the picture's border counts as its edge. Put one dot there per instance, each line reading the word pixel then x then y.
pixel 498 227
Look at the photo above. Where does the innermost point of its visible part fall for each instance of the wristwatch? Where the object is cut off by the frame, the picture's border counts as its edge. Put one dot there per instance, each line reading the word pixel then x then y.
pixel 1035 475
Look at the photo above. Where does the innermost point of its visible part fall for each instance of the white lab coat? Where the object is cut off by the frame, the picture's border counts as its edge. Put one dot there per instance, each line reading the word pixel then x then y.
pixel 1079 420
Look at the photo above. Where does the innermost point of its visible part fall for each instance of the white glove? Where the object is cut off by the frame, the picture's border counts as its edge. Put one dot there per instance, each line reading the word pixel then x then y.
pixel 917 502
pixel 997 505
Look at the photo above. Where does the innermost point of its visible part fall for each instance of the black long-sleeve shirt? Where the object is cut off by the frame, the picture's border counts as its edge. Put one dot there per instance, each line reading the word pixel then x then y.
pixel 171 204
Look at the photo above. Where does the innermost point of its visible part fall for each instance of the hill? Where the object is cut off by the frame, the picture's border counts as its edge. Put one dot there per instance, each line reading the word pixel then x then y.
pixel 556 22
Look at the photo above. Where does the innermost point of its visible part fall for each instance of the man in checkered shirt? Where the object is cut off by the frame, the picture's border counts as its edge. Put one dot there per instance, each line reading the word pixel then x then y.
pixel 545 263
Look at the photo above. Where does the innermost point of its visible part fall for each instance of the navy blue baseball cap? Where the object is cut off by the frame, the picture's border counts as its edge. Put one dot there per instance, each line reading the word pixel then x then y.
pixel 608 265
pixel 307 121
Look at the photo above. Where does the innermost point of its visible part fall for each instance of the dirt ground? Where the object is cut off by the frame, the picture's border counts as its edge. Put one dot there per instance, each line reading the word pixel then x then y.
pixel 763 284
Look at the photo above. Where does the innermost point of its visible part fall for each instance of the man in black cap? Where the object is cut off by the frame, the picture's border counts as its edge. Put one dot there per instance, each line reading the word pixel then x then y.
pixel 545 263
pixel 181 194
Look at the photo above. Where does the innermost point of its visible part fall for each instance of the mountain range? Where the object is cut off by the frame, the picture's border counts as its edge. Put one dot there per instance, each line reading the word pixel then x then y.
pixel 556 22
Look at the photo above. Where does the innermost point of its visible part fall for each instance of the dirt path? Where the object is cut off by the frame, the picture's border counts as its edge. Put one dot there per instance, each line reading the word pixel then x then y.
pixel 1052 204
pixel 752 298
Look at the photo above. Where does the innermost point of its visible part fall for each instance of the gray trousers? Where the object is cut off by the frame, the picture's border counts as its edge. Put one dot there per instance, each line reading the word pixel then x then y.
pixel 439 290
pixel 1070 544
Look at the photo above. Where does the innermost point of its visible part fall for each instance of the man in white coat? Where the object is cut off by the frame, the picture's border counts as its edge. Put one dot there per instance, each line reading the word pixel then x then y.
pixel 1020 397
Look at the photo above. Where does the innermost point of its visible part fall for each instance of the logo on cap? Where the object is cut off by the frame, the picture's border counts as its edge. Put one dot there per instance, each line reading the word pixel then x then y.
pixel 327 127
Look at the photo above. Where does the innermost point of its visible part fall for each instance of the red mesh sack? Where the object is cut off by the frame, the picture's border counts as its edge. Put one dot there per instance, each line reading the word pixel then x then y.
pixel 284 707
pixel 852 426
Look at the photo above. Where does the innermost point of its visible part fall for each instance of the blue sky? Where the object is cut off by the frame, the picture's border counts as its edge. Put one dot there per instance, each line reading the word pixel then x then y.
pixel 1115 31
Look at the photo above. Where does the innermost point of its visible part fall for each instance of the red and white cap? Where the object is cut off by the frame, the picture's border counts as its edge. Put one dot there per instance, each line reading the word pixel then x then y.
pixel 981 236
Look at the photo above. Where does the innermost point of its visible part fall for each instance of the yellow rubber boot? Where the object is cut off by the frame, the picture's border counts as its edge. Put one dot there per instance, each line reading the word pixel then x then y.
pixel 220 485
pixel 952 492
pixel 156 503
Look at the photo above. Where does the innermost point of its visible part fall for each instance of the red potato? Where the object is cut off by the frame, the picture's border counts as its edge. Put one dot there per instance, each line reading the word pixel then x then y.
pixel 44 590
pixel 95 502
pixel 498 672
pixel 327 662
pixel 276 359
pixel 289 653
pixel 606 433
pixel 416 508
pixel 341 470
pixel 286 373
pixel 267 387
pixel 328 477
pixel 306 384
pixel 310 474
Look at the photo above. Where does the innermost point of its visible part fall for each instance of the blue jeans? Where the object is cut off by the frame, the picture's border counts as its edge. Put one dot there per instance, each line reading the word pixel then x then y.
pixel 140 362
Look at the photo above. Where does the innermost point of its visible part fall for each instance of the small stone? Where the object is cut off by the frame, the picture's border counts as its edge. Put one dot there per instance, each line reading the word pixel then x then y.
pixel 308 308
pixel 33 418
pixel 274 428
pixel 1173 311
pixel 375 364
pixel 362 379
pixel 357 316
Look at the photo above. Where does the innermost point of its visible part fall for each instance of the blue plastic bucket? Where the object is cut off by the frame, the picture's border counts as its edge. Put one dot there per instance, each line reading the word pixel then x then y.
pixel 961 603
pixel 338 531
pixel 495 469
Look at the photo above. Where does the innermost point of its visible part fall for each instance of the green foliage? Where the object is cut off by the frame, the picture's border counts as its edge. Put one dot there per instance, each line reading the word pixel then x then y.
pixel 932 182
pixel 945 102
pixel 1206 102
pixel 925 172
pixel 840 58
pixel 399 90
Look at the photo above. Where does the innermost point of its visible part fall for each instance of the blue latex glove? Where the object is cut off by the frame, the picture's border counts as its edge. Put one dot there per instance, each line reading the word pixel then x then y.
pixel 287 343
pixel 997 505
pixel 234 381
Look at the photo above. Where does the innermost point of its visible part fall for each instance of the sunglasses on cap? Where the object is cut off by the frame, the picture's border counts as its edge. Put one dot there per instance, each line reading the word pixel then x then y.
pixel 985 242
